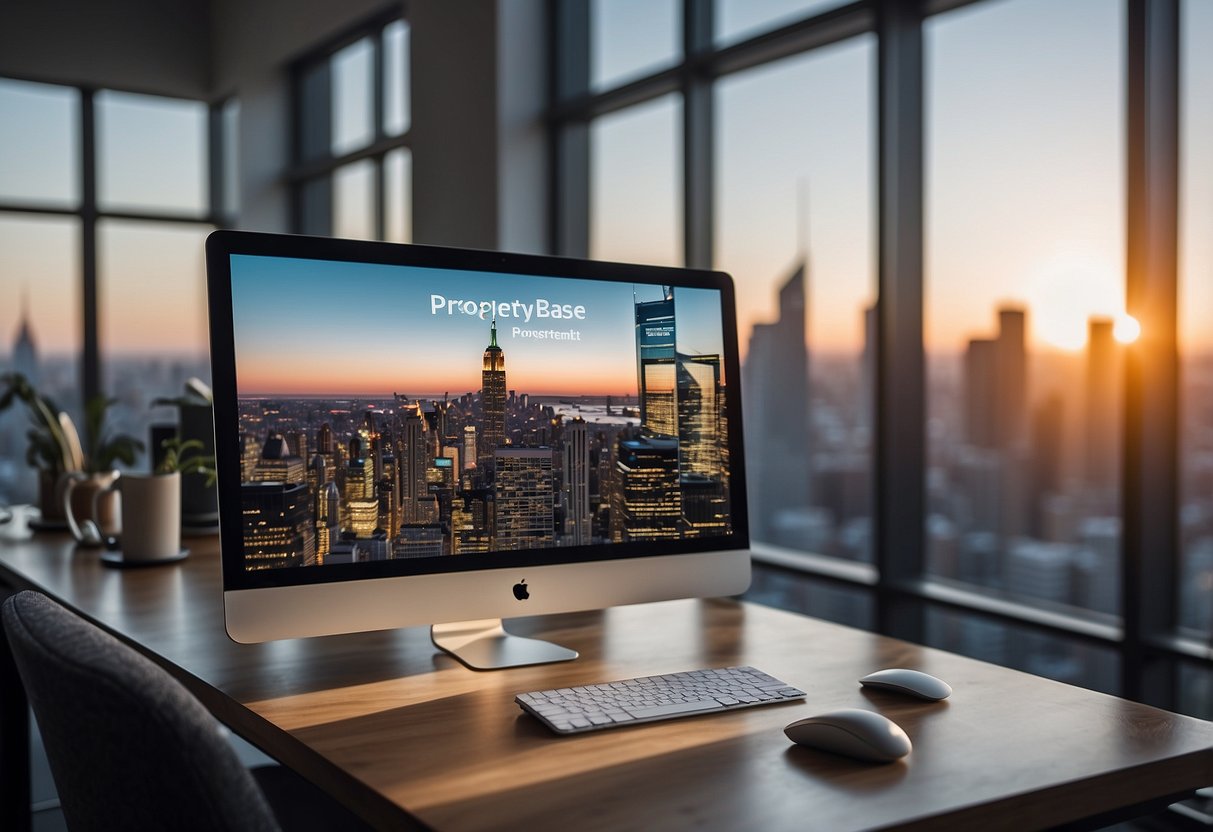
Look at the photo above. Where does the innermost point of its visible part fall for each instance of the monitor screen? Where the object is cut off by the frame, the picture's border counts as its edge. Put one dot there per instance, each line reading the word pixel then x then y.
pixel 403 410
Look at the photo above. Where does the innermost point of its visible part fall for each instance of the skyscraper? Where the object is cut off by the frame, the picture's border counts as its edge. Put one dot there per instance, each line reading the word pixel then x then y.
pixel 1102 423
pixel 655 370
pixel 524 509
pixel 492 402
pixel 776 386
pixel 277 526
pixel 648 500
pixel 699 437
pixel 577 481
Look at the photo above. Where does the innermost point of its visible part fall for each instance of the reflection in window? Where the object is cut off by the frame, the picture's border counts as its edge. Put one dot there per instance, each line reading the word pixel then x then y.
pixel 1195 334
pixel 632 38
pixel 740 19
pixel 1096 668
pixel 1025 298
pixel 152 153
pixel 39 144
pixel 794 229
pixel 152 315
pixel 635 180
pixel 39 330
pixel 789 591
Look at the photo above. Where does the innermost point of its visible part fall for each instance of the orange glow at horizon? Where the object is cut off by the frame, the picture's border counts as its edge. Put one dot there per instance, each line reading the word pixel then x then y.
pixel 376 381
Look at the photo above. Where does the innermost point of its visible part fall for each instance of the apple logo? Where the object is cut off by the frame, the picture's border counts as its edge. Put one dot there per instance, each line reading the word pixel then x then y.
pixel 522 591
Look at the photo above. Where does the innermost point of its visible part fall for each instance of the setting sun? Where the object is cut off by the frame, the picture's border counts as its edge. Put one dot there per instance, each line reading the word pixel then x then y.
pixel 1127 329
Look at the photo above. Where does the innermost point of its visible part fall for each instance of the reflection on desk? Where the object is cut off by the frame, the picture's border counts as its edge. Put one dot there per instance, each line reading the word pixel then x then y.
pixel 396 730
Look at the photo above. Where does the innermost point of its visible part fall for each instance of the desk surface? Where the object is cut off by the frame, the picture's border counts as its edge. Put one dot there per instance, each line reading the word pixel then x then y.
pixel 386 723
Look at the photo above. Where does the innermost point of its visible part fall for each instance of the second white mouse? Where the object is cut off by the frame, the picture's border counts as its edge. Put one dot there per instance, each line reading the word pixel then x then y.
pixel 911 682
pixel 852 732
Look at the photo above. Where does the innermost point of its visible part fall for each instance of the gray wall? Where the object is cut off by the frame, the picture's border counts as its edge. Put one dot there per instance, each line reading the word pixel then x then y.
pixel 478 70
pixel 155 46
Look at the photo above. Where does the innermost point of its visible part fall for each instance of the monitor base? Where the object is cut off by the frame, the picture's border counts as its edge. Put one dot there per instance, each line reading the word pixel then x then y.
pixel 485 645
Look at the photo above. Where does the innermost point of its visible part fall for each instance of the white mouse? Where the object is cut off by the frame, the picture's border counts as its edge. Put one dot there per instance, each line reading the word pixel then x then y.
pixel 852 732
pixel 912 682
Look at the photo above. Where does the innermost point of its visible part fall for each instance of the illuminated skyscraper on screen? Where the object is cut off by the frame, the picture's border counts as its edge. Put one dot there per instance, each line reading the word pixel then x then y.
pixel 492 402
pixel 655 370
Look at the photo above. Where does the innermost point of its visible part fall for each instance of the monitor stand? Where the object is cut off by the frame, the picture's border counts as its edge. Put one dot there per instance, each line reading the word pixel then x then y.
pixel 485 645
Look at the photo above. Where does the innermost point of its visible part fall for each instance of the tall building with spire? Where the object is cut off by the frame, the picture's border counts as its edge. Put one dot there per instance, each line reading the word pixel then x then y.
pixel 25 350
pixel 492 402
pixel 775 383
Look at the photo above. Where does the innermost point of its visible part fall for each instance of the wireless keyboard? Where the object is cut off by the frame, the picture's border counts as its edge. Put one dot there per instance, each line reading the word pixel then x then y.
pixel 651 698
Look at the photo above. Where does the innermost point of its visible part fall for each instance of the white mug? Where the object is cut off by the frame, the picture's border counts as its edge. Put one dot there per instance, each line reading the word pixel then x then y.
pixel 151 516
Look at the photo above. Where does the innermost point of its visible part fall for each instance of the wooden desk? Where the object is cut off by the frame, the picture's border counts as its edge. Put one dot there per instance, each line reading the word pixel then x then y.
pixel 399 732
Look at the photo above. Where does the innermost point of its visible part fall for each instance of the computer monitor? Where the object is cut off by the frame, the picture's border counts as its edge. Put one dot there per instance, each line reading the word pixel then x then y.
pixel 410 435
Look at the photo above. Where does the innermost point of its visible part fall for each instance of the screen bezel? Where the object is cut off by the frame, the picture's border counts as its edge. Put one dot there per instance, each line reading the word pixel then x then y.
pixel 221 245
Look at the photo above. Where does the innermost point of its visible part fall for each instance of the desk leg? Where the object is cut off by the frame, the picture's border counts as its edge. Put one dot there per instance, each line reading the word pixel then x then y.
pixel 15 796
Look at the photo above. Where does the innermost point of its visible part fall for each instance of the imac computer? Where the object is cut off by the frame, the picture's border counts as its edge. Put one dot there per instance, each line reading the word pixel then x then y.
pixel 409 435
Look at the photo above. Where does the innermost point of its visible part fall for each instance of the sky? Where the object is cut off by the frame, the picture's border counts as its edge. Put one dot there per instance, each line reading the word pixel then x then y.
pixel 312 327
pixel 1024 178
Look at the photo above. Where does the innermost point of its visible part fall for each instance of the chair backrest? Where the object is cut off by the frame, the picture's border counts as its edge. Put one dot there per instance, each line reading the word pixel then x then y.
pixel 129 746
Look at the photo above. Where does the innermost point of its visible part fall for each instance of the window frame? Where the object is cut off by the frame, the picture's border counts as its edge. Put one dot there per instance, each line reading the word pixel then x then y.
pixel 89 212
pixel 303 172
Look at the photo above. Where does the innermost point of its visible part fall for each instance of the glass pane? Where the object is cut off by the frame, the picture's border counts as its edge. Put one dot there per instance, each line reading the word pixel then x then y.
pixel 152 317
pixel 396 78
pixel 1196 688
pixel 152 153
pixel 316 206
pixel 1024 294
pixel 1097 668
pixel 795 229
pixel 799 593
pixel 353 97
pixel 354 200
pixel 635 184
pixel 631 38
pixel 231 158
pixel 40 329
pixel 1195 334
pixel 316 112
pixel 39 143
pixel 740 19
pixel 398 196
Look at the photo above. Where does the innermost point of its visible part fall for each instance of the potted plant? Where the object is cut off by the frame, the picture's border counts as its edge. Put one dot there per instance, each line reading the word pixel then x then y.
pixel 87 495
pixel 54 447
pixel 71 481
pixel 195 423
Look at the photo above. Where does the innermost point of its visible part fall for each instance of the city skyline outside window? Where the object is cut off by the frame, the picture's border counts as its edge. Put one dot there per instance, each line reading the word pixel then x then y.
pixel 1024 279
pixel 796 234
pixel 151 160
pixel 1024 323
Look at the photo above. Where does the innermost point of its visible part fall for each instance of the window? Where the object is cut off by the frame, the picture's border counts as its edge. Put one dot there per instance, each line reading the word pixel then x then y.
pixel 1195 335
pixel 634 184
pixel 991 272
pixel 1025 299
pixel 794 228
pixel 105 199
pixel 351 170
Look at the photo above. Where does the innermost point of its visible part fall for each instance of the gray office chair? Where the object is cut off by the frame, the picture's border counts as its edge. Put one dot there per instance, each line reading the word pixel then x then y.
pixel 131 748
